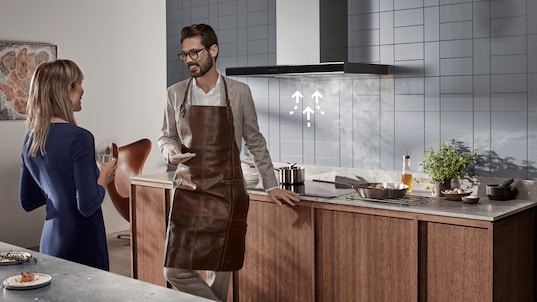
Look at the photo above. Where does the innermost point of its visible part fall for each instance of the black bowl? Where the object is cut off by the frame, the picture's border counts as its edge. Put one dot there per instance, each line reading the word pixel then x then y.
pixel 497 192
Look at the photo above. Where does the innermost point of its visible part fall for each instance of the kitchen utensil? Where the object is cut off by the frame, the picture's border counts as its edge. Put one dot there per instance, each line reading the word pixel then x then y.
pixel 506 183
pixel 384 190
pixel 471 199
pixel 292 175
pixel 298 188
pixel 500 192
pixel 16 283
pixel 9 258
pixel 376 190
pixel 497 192
pixel 450 195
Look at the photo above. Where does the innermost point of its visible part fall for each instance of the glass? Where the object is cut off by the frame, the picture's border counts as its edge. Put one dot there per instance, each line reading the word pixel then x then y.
pixel 193 54
pixel 103 151
pixel 406 177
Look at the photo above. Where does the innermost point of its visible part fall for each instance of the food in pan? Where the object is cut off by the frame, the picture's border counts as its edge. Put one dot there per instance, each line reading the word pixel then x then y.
pixel 382 187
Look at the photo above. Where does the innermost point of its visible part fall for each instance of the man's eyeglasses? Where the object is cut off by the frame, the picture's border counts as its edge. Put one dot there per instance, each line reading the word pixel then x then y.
pixel 193 54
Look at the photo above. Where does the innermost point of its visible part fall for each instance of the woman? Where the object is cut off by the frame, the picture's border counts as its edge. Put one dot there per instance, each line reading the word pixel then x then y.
pixel 59 169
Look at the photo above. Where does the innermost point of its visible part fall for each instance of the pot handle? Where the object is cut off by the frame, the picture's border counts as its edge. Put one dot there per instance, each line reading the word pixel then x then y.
pixel 506 183
pixel 335 183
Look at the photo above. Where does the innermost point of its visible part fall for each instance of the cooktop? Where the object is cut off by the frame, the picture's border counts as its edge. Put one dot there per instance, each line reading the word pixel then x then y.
pixel 311 188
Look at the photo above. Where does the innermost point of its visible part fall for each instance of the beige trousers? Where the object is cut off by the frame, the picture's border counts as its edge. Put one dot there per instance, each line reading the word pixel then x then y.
pixel 189 281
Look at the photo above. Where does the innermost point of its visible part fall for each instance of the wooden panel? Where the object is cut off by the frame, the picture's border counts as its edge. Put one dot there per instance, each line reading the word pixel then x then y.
pixel 365 257
pixel 149 222
pixel 279 259
pixel 457 261
pixel 514 258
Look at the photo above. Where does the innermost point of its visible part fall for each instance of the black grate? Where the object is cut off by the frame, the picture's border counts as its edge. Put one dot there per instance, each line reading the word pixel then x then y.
pixel 408 200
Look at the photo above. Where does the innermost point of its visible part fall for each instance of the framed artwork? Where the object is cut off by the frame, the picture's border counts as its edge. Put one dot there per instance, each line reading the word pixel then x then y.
pixel 18 61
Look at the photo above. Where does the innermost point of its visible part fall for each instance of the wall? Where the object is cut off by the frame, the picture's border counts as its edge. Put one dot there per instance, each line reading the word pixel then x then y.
pixel 120 47
pixel 464 70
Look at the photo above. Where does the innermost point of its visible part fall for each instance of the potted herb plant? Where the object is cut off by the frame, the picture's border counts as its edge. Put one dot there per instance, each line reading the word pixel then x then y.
pixel 445 164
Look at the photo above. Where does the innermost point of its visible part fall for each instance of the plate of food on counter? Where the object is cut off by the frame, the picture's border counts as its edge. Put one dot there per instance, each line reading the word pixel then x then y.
pixel 10 258
pixel 456 193
pixel 27 280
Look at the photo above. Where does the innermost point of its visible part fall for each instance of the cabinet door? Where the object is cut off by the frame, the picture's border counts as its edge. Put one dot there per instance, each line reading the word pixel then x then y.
pixel 457 263
pixel 279 260
pixel 149 222
pixel 364 257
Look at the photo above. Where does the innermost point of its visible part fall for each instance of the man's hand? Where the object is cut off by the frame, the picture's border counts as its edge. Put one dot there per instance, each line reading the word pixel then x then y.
pixel 278 195
pixel 176 158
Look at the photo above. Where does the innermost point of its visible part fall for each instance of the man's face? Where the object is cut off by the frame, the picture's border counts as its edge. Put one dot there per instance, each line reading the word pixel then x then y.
pixel 203 63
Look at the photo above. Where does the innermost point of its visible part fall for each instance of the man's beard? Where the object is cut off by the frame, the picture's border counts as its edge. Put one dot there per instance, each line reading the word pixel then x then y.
pixel 204 67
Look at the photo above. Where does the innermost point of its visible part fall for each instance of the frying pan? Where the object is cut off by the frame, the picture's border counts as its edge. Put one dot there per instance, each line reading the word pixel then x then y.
pixel 375 190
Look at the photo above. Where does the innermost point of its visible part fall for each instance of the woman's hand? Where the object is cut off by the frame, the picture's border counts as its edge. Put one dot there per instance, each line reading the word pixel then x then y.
pixel 108 172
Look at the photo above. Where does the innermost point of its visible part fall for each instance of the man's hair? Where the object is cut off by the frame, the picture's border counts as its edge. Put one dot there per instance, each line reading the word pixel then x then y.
pixel 206 32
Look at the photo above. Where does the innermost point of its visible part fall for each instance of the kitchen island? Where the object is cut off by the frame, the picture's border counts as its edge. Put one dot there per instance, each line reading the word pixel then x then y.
pixel 347 249
pixel 75 282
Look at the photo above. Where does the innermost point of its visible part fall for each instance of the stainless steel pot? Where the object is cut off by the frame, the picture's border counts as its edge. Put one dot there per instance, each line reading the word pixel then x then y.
pixel 292 175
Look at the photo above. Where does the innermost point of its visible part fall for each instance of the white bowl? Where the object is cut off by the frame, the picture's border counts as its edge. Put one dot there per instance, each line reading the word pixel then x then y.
pixel 470 199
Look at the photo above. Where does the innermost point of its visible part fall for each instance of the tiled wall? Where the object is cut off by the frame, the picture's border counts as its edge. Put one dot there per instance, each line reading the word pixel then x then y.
pixel 464 70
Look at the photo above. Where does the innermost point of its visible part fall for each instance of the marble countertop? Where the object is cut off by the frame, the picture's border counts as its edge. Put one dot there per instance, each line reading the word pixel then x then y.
pixel 75 282
pixel 420 201
pixel 485 209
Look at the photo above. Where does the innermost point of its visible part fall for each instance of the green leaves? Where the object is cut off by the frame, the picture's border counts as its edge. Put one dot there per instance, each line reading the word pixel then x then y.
pixel 447 162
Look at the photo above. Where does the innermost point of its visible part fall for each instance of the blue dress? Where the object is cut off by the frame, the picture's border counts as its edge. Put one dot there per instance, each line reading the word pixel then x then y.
pixel 64 180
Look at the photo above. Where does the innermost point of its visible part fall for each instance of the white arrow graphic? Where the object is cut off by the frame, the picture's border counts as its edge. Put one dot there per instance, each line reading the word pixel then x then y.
pixel 316 96
pixel 297 95
pixel 308 111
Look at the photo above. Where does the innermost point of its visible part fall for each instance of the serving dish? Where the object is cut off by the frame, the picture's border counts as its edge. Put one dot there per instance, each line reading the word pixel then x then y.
pixel 15 282
pixel 455 194
pixel 471 199
pixel 10 258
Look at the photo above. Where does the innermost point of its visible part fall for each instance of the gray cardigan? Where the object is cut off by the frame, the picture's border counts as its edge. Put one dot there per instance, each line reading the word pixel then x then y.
pixel 244 121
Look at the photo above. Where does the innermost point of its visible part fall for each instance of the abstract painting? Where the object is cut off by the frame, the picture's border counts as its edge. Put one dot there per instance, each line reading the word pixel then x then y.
pixel 18 61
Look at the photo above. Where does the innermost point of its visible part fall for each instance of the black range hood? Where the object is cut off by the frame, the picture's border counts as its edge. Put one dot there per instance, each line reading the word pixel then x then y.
pixel 322 48
pixel 321 68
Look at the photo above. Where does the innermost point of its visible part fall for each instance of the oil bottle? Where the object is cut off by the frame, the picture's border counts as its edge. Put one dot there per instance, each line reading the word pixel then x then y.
pixel 406 176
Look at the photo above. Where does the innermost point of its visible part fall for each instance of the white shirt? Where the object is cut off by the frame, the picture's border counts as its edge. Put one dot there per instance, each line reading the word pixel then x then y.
pixel 211 98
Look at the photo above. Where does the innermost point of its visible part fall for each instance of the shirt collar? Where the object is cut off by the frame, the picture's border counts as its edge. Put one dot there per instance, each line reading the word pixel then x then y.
pixel 195 83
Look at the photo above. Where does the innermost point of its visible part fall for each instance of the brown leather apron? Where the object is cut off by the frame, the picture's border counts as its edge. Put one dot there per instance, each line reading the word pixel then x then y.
pixel 207 225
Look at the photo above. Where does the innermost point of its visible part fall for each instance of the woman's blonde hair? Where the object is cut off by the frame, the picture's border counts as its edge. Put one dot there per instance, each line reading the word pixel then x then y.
pixel 49 97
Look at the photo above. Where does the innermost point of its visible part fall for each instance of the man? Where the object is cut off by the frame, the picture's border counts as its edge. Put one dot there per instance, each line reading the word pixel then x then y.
pixel 205 120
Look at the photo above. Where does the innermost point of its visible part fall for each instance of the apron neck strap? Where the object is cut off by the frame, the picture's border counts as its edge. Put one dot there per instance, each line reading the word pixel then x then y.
pixel 187 90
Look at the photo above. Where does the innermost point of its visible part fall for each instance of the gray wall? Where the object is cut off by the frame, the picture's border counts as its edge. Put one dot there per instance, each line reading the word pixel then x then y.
pixel 464 70
pixel 124 87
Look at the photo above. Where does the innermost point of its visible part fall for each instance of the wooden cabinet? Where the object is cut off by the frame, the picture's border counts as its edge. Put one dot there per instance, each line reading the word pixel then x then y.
pixel 473 261
pixel 362 257
pixel 331 252
pixel 279 259
pixel 366 254
pixel 150 204
pixel 456 263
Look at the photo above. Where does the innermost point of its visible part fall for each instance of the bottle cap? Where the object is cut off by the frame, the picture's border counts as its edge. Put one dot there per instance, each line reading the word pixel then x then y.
pixel 406 156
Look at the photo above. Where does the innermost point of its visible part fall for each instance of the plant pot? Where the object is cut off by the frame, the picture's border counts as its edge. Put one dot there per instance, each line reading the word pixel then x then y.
pixel 441 186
